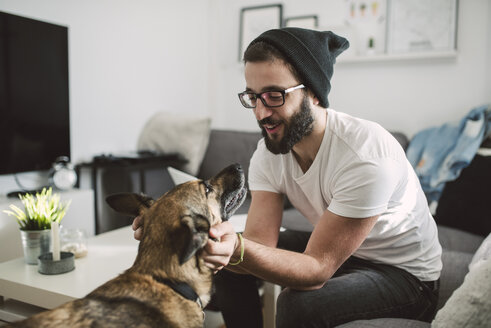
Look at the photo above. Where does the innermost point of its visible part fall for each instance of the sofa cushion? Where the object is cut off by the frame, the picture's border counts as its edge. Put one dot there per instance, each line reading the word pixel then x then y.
pixel 482 254
pixel 455 267
pixel 175 133
pixel 469 306
pixel 457 240
pixel 386 323
pixel 228 147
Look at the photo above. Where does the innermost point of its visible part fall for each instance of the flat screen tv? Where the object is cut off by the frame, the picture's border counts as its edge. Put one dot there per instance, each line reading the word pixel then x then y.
pixel 34 108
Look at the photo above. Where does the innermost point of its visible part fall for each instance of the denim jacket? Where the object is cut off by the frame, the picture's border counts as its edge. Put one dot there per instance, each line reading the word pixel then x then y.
pixel 439 154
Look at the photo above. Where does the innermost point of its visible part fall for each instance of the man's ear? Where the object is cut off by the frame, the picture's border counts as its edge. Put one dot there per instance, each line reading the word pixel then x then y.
pixel 196 229
pixel 129 203
pixel 315 100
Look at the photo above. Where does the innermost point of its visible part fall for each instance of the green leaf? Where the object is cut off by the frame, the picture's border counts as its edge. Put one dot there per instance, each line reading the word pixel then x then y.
pixel 39 210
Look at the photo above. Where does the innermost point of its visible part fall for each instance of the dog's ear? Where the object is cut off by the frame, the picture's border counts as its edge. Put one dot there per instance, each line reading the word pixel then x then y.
pixel 129 203
pixel 197 228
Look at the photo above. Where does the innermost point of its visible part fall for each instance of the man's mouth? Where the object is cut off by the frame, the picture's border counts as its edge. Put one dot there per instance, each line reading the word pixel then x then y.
pixel 272 128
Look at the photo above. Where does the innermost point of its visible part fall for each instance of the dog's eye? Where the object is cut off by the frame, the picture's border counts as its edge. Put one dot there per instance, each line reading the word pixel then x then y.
pixel 208 188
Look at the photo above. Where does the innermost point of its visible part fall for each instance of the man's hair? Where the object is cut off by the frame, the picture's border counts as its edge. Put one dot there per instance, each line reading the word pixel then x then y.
pixel 262 51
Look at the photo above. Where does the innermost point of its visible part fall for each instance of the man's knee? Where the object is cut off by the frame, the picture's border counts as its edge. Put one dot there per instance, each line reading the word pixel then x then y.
pixel 293 310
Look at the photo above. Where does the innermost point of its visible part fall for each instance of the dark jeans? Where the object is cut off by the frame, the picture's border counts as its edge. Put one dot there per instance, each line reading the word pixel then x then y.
pixel 359 290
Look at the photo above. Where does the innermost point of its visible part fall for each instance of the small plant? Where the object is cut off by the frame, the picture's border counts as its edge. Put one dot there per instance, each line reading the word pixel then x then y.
pixel 39 210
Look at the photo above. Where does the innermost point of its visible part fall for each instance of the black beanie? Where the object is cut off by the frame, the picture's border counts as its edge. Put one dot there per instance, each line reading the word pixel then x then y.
pixel 312 53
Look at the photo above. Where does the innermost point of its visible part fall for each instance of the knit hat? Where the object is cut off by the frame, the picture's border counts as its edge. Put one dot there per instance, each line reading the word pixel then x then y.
pixel 312 53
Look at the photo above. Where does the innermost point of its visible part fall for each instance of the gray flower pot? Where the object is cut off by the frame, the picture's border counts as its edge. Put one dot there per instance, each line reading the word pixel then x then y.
pixel 35 243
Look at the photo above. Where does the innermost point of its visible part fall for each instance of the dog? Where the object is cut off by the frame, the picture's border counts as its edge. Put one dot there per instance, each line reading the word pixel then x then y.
pixel 168 284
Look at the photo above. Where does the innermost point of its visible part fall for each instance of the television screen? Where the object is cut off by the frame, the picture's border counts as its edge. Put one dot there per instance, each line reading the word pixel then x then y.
pixel 34 109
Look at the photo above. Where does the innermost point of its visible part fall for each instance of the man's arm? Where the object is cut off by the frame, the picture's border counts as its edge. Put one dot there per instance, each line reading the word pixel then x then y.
pixel 333 240
pixel 264 218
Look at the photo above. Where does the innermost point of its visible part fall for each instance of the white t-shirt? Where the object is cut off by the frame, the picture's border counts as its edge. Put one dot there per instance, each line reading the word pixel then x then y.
pixel 359 171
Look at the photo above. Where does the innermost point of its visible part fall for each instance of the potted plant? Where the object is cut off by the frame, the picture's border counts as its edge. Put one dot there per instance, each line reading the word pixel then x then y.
pixel 40 210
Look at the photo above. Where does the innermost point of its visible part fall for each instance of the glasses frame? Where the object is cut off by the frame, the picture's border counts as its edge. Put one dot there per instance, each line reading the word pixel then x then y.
pixel 260 94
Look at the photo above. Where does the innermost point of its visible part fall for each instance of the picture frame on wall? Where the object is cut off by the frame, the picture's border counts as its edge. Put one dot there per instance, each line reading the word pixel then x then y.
pixel 256 20
pixel 367 22
pixel 307 21
pixel 418 26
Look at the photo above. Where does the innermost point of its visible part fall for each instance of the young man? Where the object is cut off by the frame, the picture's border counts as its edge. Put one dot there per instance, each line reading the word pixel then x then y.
pixel 374 249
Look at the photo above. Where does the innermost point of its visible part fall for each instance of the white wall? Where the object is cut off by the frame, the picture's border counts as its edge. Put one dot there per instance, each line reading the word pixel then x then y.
pixel 402 95
pixel 127 60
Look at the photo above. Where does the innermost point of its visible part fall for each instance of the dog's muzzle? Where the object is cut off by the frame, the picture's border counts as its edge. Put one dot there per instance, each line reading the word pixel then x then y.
pixel 235 202
pixel 234 190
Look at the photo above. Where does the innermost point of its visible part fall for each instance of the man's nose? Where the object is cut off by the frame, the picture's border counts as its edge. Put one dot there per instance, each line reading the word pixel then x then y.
pixel 262 111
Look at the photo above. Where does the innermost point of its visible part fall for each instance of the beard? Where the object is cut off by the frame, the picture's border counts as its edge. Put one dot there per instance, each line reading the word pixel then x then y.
pixel 298 126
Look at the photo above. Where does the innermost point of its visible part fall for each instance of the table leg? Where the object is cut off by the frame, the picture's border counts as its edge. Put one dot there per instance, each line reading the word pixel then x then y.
pixel 271 292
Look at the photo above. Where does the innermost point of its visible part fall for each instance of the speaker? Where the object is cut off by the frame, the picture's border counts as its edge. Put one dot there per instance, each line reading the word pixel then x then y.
pixel 62 174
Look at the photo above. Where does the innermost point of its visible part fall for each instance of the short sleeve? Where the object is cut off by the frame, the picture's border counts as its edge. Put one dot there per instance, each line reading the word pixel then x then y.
pixel 260 174
pixel 363 189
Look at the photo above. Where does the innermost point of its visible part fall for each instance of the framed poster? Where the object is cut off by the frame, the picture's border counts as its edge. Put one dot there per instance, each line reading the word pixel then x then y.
pixel 421 26
pixel 309 21
pixel 367 21
pixel 256 20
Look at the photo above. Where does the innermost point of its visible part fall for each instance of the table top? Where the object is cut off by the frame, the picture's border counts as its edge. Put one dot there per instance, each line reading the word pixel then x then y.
pixel 109 254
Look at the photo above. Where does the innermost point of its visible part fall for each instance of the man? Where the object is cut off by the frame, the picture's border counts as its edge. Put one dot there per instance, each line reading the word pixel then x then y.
pixel 374 249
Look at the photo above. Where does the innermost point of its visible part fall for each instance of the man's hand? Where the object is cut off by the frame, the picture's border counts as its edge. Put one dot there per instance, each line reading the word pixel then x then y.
pixel 137 226
pixel 217 254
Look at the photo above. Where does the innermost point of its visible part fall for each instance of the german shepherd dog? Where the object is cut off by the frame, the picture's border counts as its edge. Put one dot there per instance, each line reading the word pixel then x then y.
pixel 168 284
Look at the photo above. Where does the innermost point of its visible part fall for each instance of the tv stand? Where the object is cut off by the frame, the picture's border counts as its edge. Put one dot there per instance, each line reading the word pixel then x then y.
pixel 143 172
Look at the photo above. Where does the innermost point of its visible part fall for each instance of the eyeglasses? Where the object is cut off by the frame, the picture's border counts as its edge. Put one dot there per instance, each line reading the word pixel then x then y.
pixel 268 98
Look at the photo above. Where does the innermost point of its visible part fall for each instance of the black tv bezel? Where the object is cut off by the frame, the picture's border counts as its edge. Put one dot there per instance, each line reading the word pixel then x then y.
pixel 64 138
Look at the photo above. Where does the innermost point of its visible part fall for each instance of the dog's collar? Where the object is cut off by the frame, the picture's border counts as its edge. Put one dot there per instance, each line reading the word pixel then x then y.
pixel 182 289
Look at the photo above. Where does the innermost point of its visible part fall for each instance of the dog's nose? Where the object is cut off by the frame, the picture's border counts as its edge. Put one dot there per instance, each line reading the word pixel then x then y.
pixel 232 169
pixel 238 167
pixel 235 167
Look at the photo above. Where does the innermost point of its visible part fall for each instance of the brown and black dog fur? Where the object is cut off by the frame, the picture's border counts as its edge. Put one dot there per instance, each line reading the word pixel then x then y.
pixel 175 229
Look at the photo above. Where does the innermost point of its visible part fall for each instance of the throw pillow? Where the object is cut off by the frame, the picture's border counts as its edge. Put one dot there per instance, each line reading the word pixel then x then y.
pixel 175 133
pixel 482 254
pixel 470 303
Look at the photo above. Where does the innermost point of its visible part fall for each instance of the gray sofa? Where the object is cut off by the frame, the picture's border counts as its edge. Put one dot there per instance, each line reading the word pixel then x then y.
pixel 226 147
